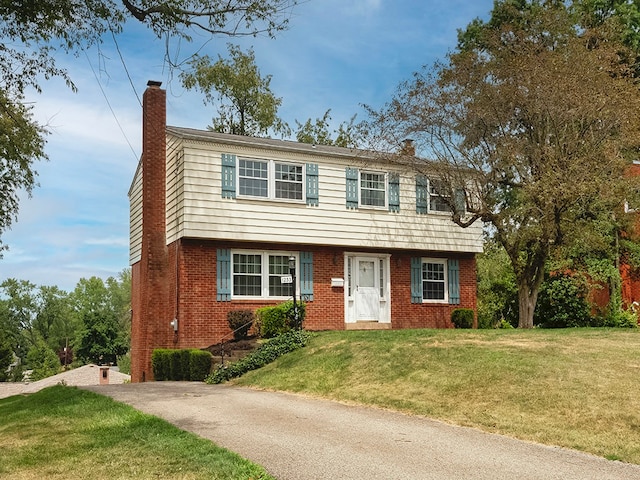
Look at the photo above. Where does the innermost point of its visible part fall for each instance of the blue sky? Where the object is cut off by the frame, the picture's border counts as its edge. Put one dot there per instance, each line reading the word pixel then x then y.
pixel 336 54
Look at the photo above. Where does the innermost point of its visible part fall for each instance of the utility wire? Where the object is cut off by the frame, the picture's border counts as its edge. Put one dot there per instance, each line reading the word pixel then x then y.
pixel 104 94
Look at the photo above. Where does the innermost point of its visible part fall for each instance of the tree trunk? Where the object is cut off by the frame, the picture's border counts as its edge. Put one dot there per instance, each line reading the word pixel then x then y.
pixel 527 298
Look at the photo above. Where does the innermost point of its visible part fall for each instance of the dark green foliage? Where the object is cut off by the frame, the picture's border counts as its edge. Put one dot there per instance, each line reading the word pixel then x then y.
pixel 199 365
pixel 266 353
pixel 100 341
pixel 279 319
pixel 462 317
pixel 6 358
pixel 185 364
pixel 497 290
pixel 240 321
pixel 562 303
pixel 43 361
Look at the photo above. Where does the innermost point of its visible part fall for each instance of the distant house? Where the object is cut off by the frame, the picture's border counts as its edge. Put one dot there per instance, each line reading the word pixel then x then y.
pixel 215 219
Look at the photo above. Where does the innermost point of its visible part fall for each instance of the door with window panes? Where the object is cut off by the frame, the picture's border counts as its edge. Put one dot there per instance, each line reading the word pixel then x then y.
pixel 366 292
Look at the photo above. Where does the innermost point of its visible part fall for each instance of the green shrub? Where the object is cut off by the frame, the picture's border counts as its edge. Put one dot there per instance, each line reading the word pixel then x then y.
pixel 240 322
pixel 266 353
pixel 562 303
pixel 621 319
pixel 161 364
pixel 462 317
pixel 506 325
pixel 278 319
pixel 185 364
pixel 199 365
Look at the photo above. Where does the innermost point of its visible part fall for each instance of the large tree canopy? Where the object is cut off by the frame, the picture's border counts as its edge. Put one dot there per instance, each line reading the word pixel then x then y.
pixel 33 32
pixel 535 118
pixel 246 105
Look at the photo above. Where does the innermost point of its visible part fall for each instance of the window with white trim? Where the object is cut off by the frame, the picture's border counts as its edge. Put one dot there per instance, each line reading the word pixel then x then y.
pixel 270 179
pixel 373 189
pixel 438 196
pixel 434 280
pixel 257 274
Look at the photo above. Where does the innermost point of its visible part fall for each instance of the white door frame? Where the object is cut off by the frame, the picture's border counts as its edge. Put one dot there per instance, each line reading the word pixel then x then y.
pixel 355 305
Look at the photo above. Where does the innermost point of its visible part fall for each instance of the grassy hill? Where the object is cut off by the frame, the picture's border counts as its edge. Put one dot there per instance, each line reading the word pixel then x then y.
pixel 577 388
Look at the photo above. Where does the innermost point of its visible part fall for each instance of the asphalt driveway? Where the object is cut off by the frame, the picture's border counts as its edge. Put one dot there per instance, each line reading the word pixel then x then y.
pixel 298 438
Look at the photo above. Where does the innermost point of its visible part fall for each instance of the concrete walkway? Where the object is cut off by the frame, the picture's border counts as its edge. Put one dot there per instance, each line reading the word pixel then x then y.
pixel 298 438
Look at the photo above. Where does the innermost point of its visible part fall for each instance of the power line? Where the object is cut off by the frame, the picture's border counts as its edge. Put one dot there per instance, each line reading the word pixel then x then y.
pixel 104 94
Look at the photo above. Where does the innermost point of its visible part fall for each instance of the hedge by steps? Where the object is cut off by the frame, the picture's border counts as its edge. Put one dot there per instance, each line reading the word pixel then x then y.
pixel 266 353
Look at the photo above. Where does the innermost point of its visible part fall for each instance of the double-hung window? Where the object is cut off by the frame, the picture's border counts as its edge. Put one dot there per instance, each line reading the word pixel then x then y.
pixel 434 280
pixel 439 199
pixel 257 274
pixel 270 179
pixel 373 189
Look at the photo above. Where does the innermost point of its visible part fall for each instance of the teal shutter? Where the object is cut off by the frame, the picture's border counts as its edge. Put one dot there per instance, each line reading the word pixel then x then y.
pixel 223 275
pixel 454 282
pixel 394 192
pixel 416 280
pixel 422 194
pixel 312 184
pixel 228 175
pixel 352 187
pixel 306 276
pixel 460 201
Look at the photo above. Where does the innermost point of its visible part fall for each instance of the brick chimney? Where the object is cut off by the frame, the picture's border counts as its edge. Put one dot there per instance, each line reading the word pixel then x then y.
pixel 150 321
pixel 408 148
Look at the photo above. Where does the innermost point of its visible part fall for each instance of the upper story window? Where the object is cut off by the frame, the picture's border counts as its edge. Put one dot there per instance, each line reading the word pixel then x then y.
pixel 270 179
pixel 288 181
pixel 253 178
pixel 373 189
pixel 439 200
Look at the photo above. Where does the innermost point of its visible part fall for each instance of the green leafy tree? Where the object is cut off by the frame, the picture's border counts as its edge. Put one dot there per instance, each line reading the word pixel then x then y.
pixel 34 32
pixel 42 360
pixel 532 118
pixel 497 288
pixel 246 105
pixel 318 132
pixel 99 308
pixel 6 358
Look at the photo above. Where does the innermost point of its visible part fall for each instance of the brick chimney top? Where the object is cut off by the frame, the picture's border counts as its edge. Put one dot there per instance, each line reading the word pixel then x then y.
pixel 408 147
pixel 153 83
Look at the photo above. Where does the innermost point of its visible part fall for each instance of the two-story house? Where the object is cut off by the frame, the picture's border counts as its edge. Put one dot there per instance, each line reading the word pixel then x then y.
pixel 215 219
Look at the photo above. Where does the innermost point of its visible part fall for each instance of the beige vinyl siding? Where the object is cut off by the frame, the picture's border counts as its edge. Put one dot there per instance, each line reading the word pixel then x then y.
pixel 175 188
pixel 135 217
pixel 208 215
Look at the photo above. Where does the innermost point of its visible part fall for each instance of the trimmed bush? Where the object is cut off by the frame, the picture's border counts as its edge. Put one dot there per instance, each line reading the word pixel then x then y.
pixel 240 321
pixel 186 364
pixel 161 363
pixel 462 317
pixel 278 319
pixel 199 365
pixel 266 353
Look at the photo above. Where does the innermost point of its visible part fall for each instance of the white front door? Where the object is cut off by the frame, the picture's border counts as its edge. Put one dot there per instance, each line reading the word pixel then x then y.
pixel 367 289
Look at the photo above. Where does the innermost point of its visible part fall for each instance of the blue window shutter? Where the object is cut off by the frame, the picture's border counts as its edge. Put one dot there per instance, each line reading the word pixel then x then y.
pixel 422 194
pixel 306 276
pixel 416 280
pixel 352 187
pixel 228 175
pixel 454 282
pixel 223 275
pixel 394 192
pixel 312 184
